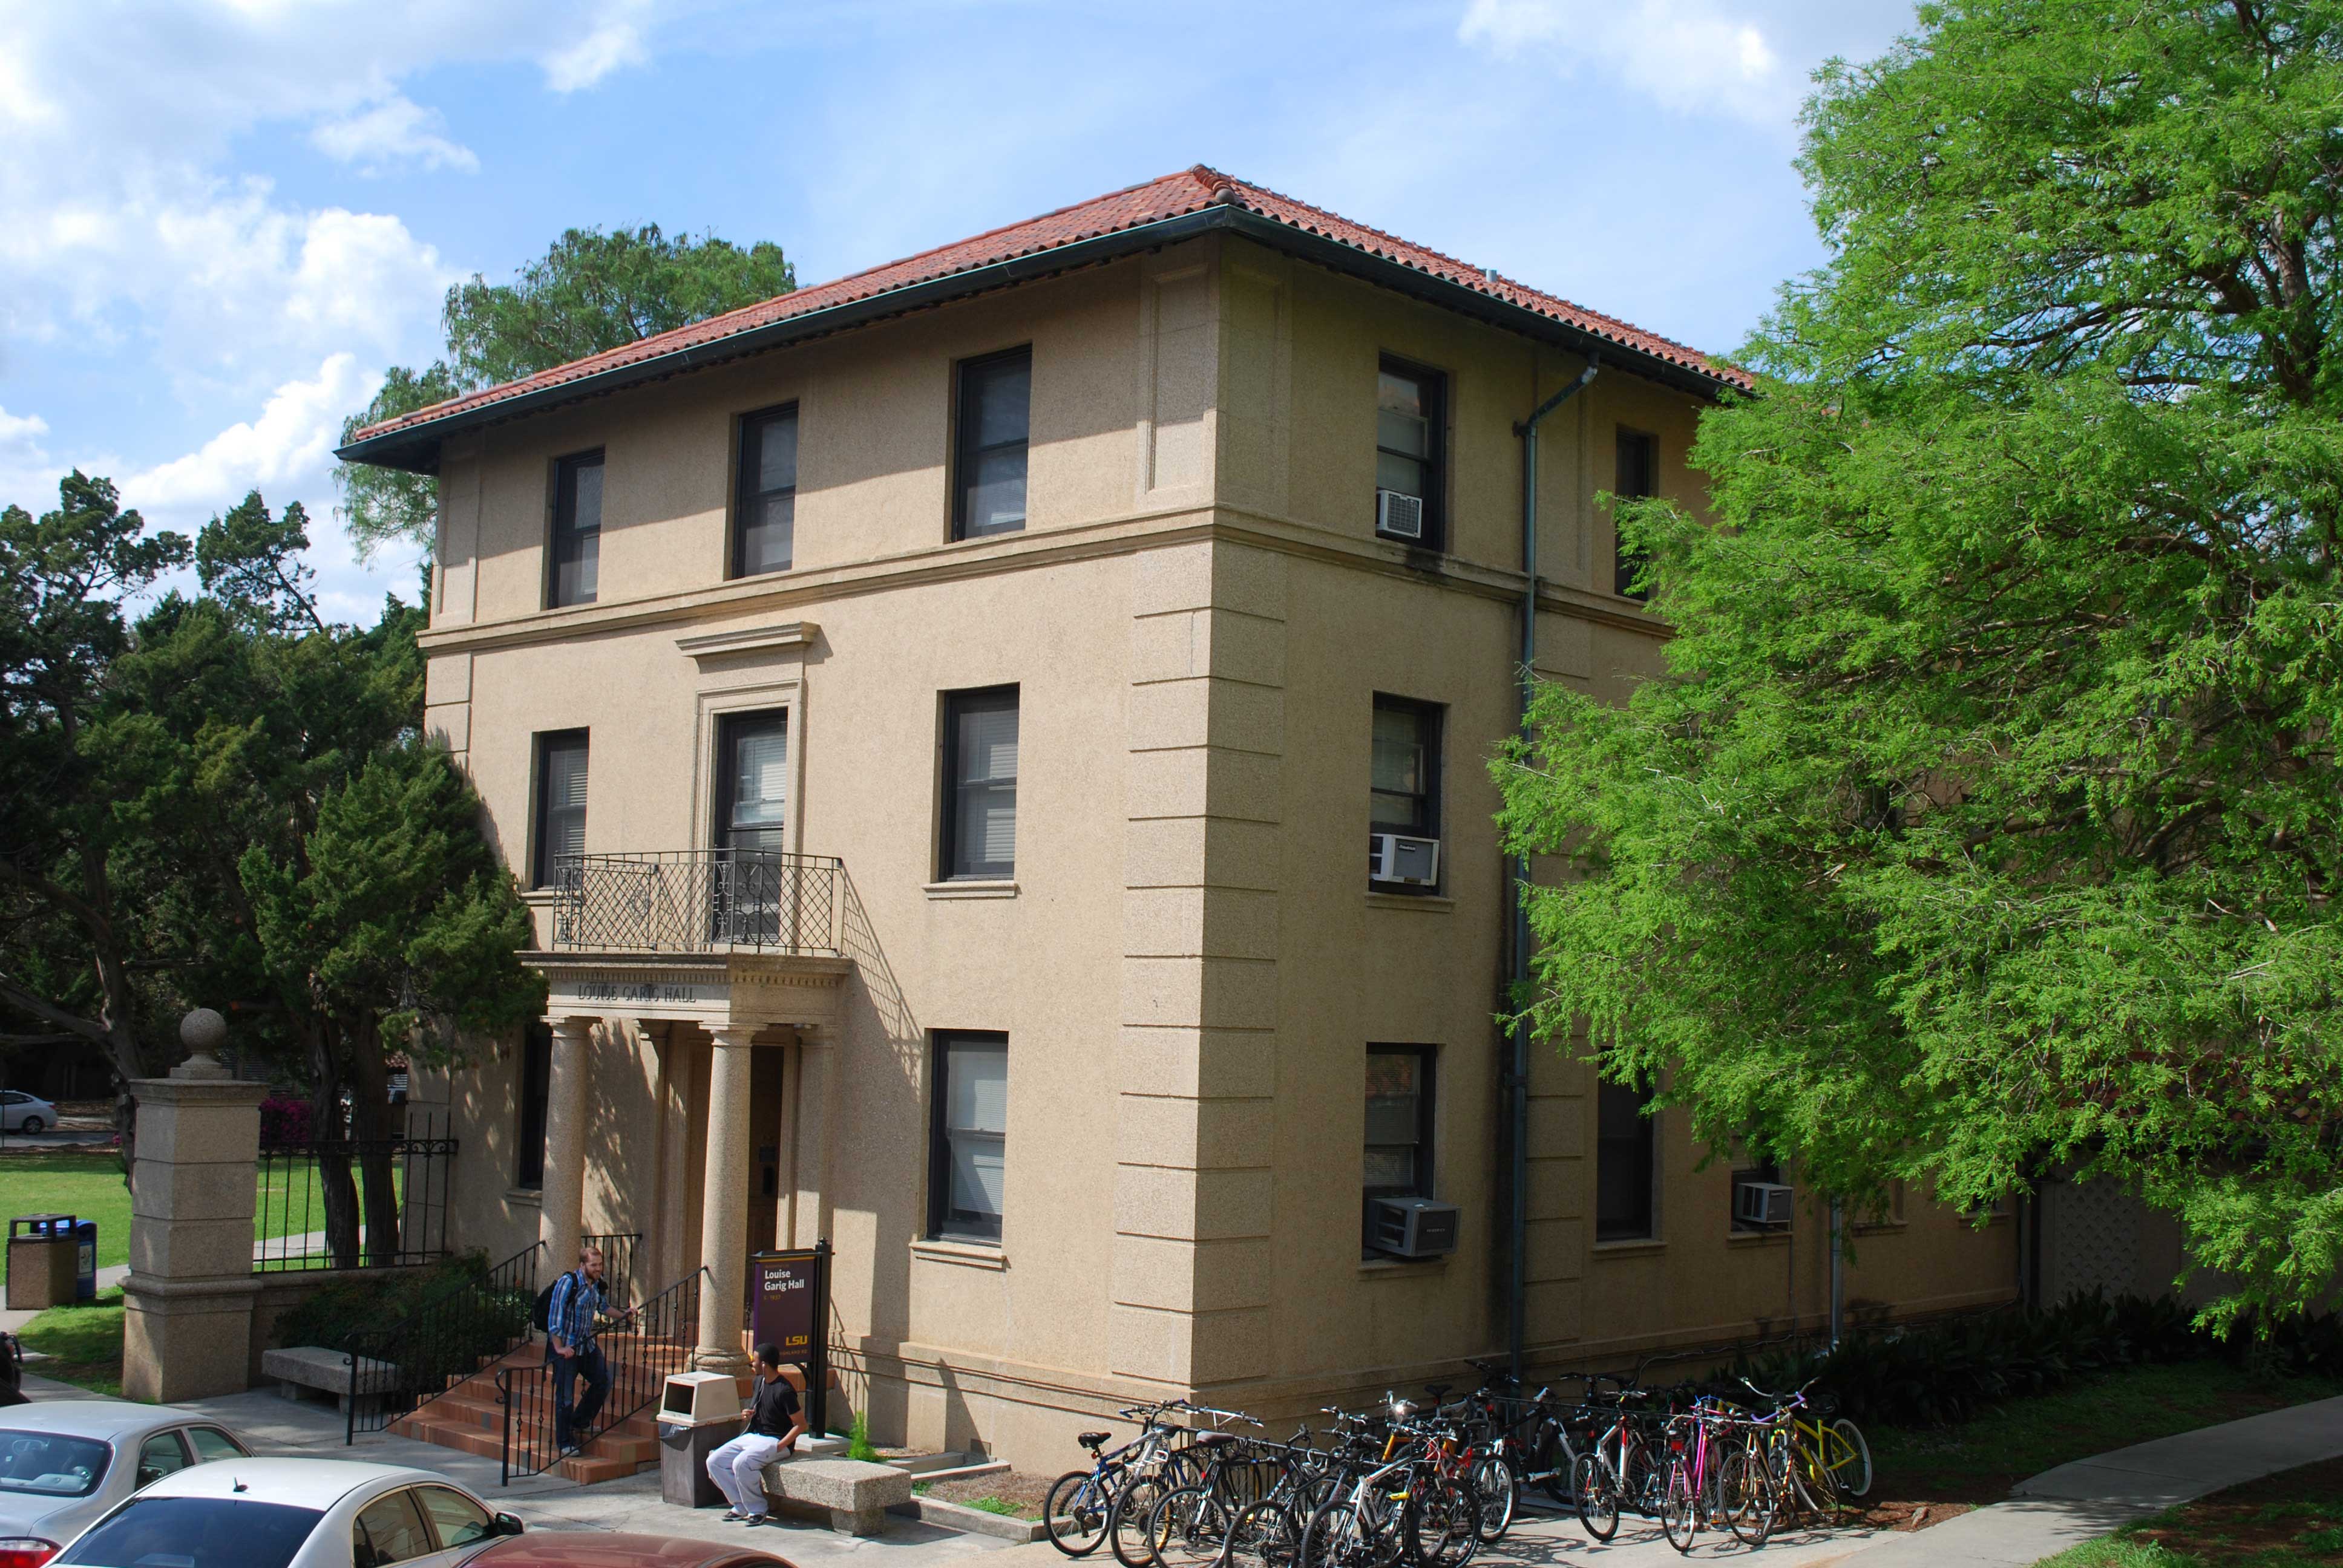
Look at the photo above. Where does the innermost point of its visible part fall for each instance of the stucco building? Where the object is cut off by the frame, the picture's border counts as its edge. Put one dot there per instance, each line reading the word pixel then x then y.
pixel 973 732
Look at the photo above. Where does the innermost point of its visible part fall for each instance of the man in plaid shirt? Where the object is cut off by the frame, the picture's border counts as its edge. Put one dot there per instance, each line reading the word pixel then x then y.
pixel 572 1318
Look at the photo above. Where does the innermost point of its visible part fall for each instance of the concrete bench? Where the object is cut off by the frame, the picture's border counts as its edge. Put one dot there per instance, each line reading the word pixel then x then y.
pixel 329 1371
pixel 855 1494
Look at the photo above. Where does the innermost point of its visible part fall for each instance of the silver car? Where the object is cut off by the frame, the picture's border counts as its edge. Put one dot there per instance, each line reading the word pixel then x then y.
pixel 64 1462
pixel 22 1112
pixel 294 1513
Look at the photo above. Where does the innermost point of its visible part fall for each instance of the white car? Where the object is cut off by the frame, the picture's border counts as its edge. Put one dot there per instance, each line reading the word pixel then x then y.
pixel 22 1112
pixel 65 1461
pixel 294 1513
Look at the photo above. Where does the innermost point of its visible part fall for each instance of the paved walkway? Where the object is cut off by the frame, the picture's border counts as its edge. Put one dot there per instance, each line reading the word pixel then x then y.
pixel 2086 1500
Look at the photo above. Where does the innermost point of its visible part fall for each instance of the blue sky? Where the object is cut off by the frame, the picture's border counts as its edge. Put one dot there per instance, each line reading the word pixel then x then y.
pixel 220 221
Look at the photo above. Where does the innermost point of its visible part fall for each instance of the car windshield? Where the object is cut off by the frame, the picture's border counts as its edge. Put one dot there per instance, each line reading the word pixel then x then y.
pixel 51 1463
pixel 195 1533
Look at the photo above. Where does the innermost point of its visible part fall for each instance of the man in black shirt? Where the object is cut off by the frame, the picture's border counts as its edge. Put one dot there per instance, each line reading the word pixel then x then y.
pixel 775 1424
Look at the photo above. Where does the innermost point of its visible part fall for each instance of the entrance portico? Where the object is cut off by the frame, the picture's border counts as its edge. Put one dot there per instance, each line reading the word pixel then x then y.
pixel 742 1002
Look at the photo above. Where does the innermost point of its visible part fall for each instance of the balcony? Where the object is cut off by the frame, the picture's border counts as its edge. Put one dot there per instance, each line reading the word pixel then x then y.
pixel 699 902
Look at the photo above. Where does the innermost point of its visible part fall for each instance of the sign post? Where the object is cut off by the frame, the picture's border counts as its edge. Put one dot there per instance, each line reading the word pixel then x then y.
pixel 789 1307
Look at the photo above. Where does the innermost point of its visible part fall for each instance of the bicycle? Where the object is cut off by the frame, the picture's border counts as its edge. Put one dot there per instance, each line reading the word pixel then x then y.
pixel 1622 1468
pixel 1079 1508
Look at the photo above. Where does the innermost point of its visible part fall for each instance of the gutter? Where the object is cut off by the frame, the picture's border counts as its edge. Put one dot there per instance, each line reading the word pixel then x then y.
pixel 416 448
pixel 1516 1078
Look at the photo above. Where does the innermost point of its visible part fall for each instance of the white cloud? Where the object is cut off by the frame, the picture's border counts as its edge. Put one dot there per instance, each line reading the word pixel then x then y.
pixel 1742 59
pixel 611 45
pixel 291 441
pixel 394 131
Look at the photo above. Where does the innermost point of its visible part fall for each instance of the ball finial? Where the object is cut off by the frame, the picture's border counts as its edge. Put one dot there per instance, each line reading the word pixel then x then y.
pixel 202 1031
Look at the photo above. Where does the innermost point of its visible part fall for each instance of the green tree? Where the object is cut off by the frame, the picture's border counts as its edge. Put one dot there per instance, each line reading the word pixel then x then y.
pixel 1986 819
pixel 591 291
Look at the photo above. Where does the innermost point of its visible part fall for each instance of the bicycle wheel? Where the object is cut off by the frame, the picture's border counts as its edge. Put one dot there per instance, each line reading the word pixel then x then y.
pixel 1338 1536
pixel 1745 1495
pixel 1679 1508
pixel 1188 1527
pixel 1598 1497
pixel 1642 1479
pixel 1499 1492
pixel 1074 1514
pixel 1850 1458
pixel 1263 1536
pixel 1126 1524
pixel 1442 1521
pixel 1550 1459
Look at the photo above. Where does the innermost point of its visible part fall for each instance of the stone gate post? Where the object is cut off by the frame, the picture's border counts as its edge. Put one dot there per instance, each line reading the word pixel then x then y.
pixel 187 1328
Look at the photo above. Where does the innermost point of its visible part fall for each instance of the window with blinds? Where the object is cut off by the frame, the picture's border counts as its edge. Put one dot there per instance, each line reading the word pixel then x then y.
pixel 765 509
pixel 968 1146
pixel 980 826
pixel 1411 438
pixel 560 801
pixel 754 780
pixel 575 559
pixel 996 396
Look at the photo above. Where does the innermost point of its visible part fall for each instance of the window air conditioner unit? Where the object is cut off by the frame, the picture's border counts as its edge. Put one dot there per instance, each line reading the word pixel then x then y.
pixel 1762 1203
pixel 1398 515
pixel 1396 857
pixel 1413 1227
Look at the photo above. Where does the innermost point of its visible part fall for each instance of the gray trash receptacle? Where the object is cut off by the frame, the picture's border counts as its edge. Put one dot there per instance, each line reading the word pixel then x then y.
pixel 684 1449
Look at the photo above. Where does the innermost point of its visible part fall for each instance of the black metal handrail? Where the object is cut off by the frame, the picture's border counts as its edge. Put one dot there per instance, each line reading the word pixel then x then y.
pixel 642 1352
pixel 459 1329
pixel 618 1250
pixel 698 902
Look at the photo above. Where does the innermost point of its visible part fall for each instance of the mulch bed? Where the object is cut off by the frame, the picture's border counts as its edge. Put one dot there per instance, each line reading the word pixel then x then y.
pixel 2295 1516
pixel 1012 1486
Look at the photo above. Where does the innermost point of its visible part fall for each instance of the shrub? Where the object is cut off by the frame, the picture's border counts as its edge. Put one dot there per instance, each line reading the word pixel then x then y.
pixel 434 1322
pixel 858 1441
pixel 284 1120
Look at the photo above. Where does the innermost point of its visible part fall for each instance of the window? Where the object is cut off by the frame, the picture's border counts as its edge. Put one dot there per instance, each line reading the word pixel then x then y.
pixel 159 1456
pixel 456 1518
pixel 1639 475
pixel 389 1530
pixel 765 509
pixel 577 530
pixel 754 890
pixel 536 1088
pixel 210 1443
pixel 1403 778
pixel 560 801
pixel 50 1464
pixel 967 1145
pixel 1399 1127
pixel 1625 1169
pixel 996 396
pixel 1411 428
pixel 980 827
pixel 198 1532
pixel 1768 1171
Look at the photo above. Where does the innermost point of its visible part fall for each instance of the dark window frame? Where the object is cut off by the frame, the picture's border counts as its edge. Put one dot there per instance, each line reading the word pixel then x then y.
pixel 1431 804
pixel 540 849
pixel 964 449
pixel 746 502
pixel 1427 1103
pixel 945 1223
pixel 1641 1150
pixel 730 729
pixel 1432 387
pixel 563 493
pixel 533 1086
pixel 954 704
pixel 1644 482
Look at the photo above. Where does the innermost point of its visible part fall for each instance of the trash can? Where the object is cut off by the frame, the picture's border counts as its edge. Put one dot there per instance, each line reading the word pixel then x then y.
pixel 40 1261
pixel 85 1234
pixel 699 1412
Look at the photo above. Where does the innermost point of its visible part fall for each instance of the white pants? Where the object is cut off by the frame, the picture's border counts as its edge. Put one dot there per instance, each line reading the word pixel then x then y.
pixel 738 1470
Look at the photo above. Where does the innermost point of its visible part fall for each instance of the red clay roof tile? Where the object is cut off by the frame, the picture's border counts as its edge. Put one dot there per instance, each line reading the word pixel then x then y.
pixel 1190 190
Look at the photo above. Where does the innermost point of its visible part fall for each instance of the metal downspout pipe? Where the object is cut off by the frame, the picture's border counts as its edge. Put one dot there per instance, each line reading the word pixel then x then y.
pixel 1516 1078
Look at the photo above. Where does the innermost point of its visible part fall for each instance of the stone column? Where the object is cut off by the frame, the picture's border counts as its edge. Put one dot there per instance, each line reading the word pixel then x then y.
pixel 817 1109
pixel 187 1319
pixel 724 1205
pixel 561 1210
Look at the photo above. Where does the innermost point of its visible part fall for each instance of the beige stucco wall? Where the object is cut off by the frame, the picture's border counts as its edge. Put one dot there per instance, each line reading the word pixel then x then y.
pixel 1190 965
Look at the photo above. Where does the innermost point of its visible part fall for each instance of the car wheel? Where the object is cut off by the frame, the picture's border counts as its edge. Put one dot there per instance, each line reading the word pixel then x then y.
pixel 32 1124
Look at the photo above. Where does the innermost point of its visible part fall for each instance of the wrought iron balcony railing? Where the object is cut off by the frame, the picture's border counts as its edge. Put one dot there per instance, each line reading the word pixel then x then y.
pixel 698 900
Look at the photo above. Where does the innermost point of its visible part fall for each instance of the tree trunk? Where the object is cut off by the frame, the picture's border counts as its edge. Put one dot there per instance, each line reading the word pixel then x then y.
pixel 369 1127
pixel 330 1143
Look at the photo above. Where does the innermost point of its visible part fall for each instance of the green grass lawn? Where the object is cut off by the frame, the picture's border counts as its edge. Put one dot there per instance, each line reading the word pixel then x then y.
pixel 83 1343
pixel 1949 1470
pixel 88 1183
pixel 2290 1519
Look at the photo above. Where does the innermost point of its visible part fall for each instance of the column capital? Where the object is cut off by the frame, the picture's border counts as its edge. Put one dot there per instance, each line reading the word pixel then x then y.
pixel 576 1029
pixel 732 1036
pixel 818 1036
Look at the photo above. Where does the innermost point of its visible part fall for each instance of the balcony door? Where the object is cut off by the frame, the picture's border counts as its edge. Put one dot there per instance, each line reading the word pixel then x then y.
pixel 754 896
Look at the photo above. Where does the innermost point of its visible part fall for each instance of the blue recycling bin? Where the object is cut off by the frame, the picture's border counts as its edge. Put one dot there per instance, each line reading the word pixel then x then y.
pixel 85 1234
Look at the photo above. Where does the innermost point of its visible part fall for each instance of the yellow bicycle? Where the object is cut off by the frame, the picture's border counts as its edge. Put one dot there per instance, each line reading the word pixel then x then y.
pixel 1827 1460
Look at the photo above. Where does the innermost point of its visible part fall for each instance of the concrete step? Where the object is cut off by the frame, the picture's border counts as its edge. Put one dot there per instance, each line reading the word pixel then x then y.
pixel 469 1417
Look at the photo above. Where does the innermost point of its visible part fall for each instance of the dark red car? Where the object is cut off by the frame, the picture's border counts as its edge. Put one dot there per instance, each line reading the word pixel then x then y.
pixel 594 1549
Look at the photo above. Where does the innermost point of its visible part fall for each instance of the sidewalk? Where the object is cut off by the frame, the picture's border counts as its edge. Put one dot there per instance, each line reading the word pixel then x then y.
pixel 2082 1500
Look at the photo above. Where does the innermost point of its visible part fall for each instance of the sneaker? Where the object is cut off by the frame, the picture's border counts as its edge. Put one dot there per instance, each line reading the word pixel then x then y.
pixel 754 1518
pixel 733 1516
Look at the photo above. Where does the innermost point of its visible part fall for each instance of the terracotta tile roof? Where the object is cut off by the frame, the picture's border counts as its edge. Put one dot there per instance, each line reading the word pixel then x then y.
pixel 1188 191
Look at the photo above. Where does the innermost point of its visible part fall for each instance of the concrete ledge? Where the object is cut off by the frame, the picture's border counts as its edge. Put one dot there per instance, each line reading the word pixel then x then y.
pixel 968 1520
pixel 855 1494
pixel 329 1371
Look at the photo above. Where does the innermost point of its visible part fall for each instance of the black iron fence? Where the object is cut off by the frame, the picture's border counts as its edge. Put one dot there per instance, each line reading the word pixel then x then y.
pixel 698 900
pixel 461 1325
pixel 353 1202
pixel 618 1251
pixel 642 1349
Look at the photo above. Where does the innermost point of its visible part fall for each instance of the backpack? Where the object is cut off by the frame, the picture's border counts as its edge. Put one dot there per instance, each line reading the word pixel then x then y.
pixel 12 1372
pixel 540 1317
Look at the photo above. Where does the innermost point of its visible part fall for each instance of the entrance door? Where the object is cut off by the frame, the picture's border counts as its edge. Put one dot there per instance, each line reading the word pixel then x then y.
pixel 770 1179
pixel 752 902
